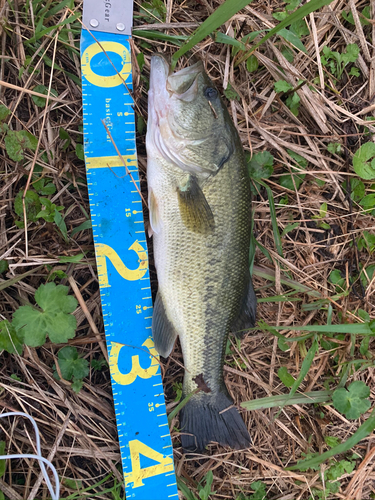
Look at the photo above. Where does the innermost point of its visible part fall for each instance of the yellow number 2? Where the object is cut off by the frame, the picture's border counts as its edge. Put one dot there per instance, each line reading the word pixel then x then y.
pixel 136 370
pixel 137 474
pixel 105 251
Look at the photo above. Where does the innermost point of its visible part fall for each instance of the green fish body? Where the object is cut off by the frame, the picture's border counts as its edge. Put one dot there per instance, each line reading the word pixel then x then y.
pixel 199 201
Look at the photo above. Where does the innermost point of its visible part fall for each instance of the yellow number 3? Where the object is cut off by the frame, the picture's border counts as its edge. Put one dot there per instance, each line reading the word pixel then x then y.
pixel 137 370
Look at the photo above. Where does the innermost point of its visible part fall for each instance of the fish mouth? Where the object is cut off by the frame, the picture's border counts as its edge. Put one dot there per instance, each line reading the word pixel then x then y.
pixel 159 73
pixel 183 83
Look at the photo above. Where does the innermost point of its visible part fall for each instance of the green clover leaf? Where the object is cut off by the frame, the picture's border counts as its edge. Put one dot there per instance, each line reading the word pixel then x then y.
pixel 286 378
pixel 293 102
pixel 54 319
pixel 3 266
pixel 337 469
pixel 261 165
pixel 9 340
pixel 44 187
pixel 230 93
pixel 4 112
pixel 352 53
pixel 282 86
pixel 77 385
pixel 17 142
pixel 259 489
pixel 364 161
pixel 42 89
pixel 286 180
pixel 32 204
pixel 71 365
pixel 352 402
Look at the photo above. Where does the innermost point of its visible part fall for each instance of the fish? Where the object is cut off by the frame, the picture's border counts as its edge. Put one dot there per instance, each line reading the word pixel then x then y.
pixel 199 207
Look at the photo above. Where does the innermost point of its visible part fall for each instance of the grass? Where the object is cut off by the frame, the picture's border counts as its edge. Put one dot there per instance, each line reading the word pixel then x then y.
pixel 313 258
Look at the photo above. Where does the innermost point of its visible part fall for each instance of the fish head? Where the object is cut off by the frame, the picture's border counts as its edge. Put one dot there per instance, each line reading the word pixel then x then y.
pixel 189 125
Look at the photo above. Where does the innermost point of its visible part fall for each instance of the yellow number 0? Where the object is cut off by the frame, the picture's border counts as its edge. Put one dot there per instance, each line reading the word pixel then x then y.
pixel 137 474
pixel 103 251
pixel 106 81
pixel 136 370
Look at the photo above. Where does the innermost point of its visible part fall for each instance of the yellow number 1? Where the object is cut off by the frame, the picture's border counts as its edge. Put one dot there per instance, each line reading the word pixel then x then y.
pixel 138 448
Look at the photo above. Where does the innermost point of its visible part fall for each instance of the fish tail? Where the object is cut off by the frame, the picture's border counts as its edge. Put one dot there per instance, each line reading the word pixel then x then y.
pixel 212 417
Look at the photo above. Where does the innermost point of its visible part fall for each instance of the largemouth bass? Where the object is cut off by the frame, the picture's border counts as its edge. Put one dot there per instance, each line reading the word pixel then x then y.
pixel 199 202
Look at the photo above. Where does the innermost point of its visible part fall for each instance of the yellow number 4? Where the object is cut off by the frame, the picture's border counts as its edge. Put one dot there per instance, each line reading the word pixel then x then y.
pixel 137 474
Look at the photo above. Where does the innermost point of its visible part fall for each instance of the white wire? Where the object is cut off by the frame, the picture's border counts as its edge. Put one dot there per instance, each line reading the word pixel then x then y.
pixel 54 494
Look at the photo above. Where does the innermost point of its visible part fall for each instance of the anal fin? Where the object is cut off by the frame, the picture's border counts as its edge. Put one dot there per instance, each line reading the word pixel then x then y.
pixel 162 329
pixel 247 316
pixel 195 211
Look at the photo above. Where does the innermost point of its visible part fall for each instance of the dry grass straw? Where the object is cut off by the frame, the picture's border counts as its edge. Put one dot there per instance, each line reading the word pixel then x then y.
pixel 79 430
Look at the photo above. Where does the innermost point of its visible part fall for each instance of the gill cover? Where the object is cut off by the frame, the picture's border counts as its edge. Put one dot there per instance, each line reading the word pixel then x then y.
pixel 188 126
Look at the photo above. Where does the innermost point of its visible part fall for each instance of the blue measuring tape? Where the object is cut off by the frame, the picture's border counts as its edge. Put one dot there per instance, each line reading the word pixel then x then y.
pixel 122 260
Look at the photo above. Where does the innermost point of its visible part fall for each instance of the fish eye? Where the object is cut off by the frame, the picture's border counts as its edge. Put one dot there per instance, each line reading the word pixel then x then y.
pixel 210 93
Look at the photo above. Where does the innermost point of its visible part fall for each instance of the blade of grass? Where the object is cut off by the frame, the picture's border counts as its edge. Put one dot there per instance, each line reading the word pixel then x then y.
pixel 220 37
pixel 181 405
pixel 271 329
pixel 263 272
pixel 156 35
pixel 293 39
pixel 216 19
pixel 189 495
pixel 316 305
pixel 282 399
pixel 252 248
pixel 4 284
pixel 75 78
pixel 60 223
pixel 351 328
pixel 306 365
pixel 303 11
pixel 82 227
pixel 251 36
pixel 59 7
pixel 329 314
pixel 34 38
pixel 77 494
pixel 275 226
pixel 364 430
pixel 279 298
pixel 264 251
pixel 71 258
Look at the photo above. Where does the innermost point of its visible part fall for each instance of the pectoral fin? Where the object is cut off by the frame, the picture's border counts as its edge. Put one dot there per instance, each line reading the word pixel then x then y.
pixel 162 329
pixel 195 211
pixel 247 315
pixel 155 221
